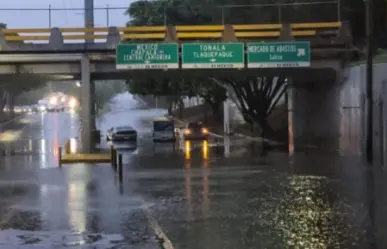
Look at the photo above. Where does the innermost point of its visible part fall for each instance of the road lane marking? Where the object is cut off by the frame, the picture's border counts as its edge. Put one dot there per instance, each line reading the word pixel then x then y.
pixel 166 242
pixel 12 119
pixel 8 216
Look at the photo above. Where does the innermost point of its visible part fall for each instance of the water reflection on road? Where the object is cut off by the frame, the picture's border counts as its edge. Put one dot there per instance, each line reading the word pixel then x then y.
pixel 222 193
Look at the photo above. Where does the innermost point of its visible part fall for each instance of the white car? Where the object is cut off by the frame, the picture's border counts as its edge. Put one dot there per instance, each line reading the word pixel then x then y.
pixel 121 133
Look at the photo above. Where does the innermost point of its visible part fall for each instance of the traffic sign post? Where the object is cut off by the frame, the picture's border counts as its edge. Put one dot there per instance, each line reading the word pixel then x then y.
pixel 147 56
pixel 212 55
pixel 278 54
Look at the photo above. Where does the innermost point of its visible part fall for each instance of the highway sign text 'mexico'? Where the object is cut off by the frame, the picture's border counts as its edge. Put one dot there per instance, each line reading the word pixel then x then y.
pixel 278 54
pixel 213 55
pixel 147 56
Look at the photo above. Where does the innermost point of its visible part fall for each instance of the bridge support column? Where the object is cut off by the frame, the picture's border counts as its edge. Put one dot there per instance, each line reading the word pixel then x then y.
pixel 86 117
pixel 226 117
pixel 290 102
pixel 315 114
pixel 10 104
pixel 92 104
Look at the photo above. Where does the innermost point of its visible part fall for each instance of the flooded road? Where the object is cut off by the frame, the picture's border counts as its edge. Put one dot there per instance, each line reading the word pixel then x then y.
pixel 224 193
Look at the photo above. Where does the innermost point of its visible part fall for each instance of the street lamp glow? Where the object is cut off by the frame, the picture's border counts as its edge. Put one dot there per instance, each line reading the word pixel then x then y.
pixel 53 100
pixel 72 103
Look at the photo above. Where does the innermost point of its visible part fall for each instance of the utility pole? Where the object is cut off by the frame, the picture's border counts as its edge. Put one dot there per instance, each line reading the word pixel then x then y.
pixel 89 18
pixel 369 81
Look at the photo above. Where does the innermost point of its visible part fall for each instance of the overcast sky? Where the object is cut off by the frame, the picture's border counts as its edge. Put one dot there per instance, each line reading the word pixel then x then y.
pixel 74 18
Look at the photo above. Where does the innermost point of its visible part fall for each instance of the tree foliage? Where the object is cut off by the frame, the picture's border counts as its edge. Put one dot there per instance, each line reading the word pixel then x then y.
pixel 23 92
pixel 212 93
pixel 256 97
pixel 105 90
pixel 178 12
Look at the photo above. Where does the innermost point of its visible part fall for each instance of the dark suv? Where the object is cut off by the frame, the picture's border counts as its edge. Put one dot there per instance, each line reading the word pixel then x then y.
pixel 195 131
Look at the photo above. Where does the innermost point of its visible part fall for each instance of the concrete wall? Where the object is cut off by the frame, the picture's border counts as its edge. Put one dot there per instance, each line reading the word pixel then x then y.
pixel 353 109
pixel 333 112
pixel 316 112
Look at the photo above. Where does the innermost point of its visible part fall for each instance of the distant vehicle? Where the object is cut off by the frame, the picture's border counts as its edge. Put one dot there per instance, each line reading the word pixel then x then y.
pixel 163 129
pixel 195 131
pixel 122 133
pixel 35 108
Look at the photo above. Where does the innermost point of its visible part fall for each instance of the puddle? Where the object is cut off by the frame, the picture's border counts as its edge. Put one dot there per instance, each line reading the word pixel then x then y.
pixel 11 238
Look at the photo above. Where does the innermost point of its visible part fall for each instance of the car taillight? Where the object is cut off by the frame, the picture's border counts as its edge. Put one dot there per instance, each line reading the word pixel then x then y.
pixel 204 130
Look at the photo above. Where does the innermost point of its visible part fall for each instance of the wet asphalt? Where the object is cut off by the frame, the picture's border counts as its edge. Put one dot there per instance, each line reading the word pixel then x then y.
pixel 224 193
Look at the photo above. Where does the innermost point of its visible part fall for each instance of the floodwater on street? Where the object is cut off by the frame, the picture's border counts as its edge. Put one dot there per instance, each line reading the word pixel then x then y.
pixel 224 193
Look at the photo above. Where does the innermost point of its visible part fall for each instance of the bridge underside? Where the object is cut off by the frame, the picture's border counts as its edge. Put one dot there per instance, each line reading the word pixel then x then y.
pixel 107 70
pixel 313 100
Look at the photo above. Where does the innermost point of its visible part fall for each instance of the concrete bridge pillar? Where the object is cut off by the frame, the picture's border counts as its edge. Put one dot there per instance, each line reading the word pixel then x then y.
pixel 314 114
pixel 92 104
pixel 10 103
pixel 86 99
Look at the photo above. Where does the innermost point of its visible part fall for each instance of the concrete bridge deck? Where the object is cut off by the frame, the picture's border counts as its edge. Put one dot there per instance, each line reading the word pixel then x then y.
pixel 73 39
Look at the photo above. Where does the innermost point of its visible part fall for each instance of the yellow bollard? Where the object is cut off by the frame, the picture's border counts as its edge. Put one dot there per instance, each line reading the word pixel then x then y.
pixel 112 155
pixel 60 156
pixel 68 147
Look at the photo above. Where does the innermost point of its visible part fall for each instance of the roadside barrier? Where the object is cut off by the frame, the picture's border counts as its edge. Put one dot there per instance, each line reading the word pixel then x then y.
pixel 70 158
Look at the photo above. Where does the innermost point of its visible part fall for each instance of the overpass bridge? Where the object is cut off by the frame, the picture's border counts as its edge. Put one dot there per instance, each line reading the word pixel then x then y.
pixel 67 53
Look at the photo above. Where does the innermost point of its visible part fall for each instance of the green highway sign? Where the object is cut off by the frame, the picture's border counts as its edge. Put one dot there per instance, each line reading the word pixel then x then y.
pixel 278 54
pixel 212 55
pixel 147 56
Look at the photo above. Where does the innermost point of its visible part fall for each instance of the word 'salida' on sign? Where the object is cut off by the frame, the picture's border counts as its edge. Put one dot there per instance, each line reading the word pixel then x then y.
pixel 213 55
pixel 147 56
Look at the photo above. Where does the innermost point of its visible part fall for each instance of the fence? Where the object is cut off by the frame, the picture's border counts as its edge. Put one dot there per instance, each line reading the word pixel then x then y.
pixel 323 11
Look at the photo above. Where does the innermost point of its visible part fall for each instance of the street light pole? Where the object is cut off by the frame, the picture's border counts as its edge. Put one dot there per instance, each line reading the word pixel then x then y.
pixel 89 18
pixel 369 81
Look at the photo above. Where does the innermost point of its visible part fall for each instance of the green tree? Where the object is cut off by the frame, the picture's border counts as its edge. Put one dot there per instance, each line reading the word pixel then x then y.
pixel 105 90
pixel 173 89
pixel 257 98
pixel 213 94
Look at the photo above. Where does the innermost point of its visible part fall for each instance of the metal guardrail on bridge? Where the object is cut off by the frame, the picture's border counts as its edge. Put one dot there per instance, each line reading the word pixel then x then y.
pixel 304 31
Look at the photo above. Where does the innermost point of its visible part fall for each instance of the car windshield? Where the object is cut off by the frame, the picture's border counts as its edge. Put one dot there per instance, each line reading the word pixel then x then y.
pixel 163 126
pixel 124 128
pixel 195 126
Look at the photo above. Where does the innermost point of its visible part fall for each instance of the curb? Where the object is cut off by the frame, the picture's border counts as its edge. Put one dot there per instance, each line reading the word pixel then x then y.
pixel 12 119
pixel 164 241
pixel 260 139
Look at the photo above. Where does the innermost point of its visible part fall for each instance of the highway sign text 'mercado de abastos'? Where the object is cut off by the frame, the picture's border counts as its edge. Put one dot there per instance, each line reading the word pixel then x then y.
pixel 278 54
pixel 147 56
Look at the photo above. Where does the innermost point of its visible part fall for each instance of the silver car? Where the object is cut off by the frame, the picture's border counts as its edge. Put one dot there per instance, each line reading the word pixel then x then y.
pixel 121 133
